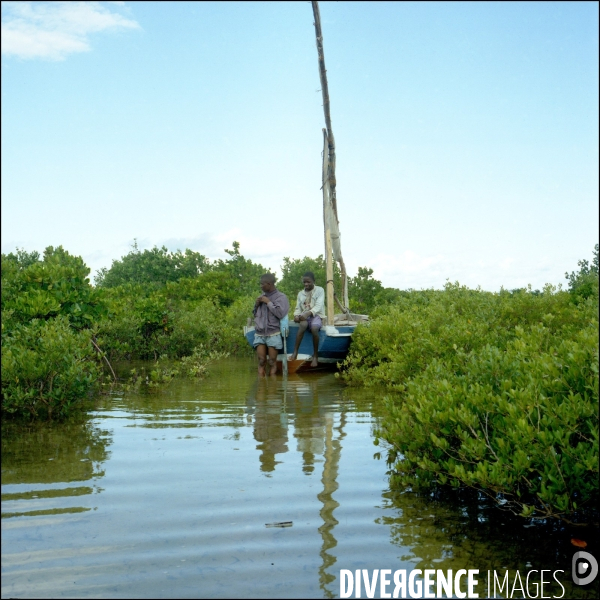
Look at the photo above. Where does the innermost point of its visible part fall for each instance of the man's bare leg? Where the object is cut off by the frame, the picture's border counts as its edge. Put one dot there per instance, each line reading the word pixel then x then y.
pixel 261 352
pixel 315 336
pixel 272 360
pixel 301 329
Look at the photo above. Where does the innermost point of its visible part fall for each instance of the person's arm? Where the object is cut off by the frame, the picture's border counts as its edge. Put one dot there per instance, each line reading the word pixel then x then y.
pixel 298 309
pixel 319 305
pixel 280 307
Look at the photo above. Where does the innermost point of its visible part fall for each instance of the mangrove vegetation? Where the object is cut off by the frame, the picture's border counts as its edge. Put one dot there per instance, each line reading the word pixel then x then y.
pixel 492 391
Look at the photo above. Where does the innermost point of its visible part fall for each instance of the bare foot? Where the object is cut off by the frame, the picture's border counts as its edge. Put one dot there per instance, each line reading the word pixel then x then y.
pixel 315 362
pixel 261 371
pixel 293 356
pixel 273 370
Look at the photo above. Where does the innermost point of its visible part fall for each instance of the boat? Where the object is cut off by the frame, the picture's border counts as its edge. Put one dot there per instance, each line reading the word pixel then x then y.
pixel 334 342
pixel 335 336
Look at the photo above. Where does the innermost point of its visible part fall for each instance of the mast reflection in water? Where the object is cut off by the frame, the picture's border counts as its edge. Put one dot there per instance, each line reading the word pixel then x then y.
pixel 191 473
pixel 271 404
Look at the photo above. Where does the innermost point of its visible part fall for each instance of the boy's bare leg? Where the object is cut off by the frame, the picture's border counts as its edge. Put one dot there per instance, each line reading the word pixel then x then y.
pixel 301 329
pixel 315 336
pixel 261 352
pixel 272 360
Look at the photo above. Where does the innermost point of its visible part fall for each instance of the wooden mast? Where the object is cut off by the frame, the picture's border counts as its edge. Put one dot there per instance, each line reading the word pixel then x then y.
pixel 329 182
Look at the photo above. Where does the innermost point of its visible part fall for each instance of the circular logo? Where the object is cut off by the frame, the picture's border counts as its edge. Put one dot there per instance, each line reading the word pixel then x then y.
pixel 584 568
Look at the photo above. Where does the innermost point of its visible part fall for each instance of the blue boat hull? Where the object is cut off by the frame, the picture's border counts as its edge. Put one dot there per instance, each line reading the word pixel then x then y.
pixel 333 341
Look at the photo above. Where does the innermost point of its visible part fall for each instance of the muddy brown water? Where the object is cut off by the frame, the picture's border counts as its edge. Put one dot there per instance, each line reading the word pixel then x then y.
pixel 177 492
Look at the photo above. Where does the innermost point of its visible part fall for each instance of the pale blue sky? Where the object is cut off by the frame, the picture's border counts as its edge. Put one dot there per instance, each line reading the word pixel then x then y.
pixel 467 133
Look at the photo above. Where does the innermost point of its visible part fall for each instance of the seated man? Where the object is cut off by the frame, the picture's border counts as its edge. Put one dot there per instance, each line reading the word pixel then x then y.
pixel 310 309
pixel 269 309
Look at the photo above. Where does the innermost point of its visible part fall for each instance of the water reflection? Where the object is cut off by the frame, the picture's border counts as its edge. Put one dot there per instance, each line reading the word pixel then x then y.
pixel 197 469
pixel 266 407
pixel 42 461
pixel 457 529
pixel 306 401
pixel 272 403
pixel 333 449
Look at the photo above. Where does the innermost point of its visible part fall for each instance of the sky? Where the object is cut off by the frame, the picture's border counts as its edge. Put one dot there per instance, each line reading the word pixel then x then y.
pixel 466 134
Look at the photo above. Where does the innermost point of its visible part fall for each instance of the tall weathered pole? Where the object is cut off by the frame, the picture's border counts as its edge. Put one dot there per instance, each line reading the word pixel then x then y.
pixel 329 159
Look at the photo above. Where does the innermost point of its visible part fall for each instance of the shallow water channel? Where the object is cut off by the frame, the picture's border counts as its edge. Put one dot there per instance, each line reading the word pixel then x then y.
pixel 171 493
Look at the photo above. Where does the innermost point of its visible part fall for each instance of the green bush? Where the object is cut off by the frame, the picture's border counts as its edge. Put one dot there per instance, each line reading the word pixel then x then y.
pixel 120 335
pixel 48 368
pixel 404 337
pixel 207 325
pixel 44 289
pixel 149 324
pixel 244 273
pixel 520 423
pixel 49 310
pixel 173 315
pixel 583 284
pixel 218 287
pixel 236 316
pixel 364 291
pixel 498 392
pixel 202 325
pixel 153 267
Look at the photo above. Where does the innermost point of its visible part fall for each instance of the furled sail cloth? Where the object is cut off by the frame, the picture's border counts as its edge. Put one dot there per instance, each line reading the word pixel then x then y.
pixel 329 209
pixel 330 217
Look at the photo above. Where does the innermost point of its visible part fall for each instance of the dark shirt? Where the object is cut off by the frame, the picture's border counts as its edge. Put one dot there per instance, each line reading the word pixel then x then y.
pixel 267 316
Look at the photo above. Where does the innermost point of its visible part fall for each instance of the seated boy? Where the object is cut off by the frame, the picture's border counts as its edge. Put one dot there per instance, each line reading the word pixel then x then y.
pixel 309 312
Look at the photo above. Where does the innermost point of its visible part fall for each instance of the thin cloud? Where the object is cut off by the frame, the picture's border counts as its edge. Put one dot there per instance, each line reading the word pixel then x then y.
pixel 53 30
